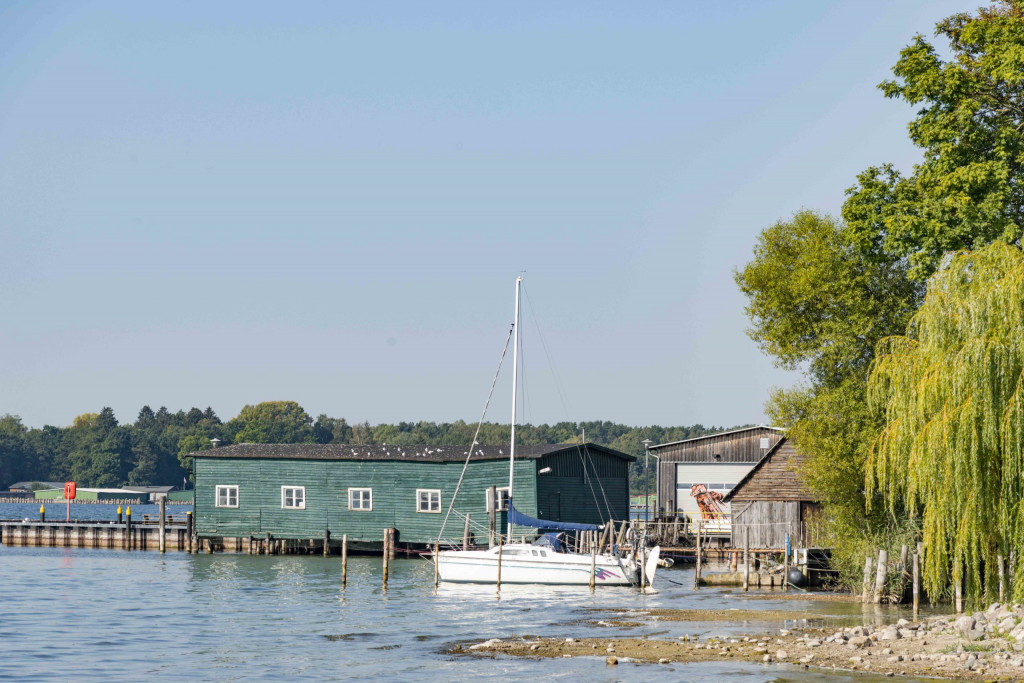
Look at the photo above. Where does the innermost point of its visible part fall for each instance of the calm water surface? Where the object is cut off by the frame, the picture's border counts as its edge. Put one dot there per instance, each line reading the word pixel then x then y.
pixel 85 614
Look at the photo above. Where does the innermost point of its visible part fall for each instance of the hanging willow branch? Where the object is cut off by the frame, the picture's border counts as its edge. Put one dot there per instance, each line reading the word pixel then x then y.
pixel 952 448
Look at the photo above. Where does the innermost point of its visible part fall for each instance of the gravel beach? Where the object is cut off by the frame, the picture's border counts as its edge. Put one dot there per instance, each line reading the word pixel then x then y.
pixel 985 645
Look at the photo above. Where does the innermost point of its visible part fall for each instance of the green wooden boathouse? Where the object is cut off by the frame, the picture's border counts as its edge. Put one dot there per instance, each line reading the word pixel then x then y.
pixel 299 491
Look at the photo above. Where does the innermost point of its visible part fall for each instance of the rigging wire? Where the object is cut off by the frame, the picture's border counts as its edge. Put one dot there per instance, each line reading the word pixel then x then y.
pixel 583 453
pixel 476 435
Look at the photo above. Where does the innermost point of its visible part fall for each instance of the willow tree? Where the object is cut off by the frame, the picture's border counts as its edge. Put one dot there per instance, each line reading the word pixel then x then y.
pixel 952 448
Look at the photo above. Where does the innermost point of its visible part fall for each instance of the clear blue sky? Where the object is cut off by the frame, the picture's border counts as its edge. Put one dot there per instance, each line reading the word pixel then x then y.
pixel 214 204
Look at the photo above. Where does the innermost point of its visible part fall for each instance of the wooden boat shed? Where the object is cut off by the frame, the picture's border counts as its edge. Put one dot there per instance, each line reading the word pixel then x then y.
pixel 772 501
pixel 719 461
pixel 301 491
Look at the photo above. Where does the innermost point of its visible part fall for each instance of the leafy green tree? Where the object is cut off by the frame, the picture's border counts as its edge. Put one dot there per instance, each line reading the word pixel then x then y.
pixel 273 422
pixel 143 472
pixel 330 430
pixel 101 451
pixel 816 300
pixel 15 458
pixel 967 190
pixel 952 393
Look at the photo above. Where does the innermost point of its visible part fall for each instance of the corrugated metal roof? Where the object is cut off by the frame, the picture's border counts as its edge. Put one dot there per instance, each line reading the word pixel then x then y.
pixel 712 436
pixel 314 451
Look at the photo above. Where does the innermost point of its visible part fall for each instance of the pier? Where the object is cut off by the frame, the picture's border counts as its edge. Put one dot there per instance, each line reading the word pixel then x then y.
pixel 129 535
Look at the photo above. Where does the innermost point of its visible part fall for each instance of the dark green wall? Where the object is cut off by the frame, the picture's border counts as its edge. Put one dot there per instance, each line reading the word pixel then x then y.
pixel 327 482
pixel 583 486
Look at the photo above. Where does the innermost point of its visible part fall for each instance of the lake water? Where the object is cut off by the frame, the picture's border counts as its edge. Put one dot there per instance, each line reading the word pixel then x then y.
pixel 85 614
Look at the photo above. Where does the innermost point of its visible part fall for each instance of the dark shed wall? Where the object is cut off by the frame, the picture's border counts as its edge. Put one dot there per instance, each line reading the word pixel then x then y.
pixel 741 446
pixel 571 493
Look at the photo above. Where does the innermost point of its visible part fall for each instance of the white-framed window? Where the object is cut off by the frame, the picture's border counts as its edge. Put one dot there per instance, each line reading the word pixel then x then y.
pixel 293 497
pixel 428 500
pixel 360 499
pixel 500 501
pixel 227 496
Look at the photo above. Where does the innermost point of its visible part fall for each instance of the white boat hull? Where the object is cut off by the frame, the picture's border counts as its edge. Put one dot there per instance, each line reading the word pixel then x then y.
pixel 526 564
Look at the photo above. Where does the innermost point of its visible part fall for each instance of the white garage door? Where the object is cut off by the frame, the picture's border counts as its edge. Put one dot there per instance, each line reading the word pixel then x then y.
pixel 717 477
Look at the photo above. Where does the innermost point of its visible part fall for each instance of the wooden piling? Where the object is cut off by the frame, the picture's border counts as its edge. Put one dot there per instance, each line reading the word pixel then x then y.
pixel 344 559
pixel 392 535
pixel 128 530
pixel 881 575
pixel 785 568
pixel 867 580
pixel 916 581
pixel 465 534
pixel 746 558
pixel 499 562
pixel 437 559
pixel 1001 565
pixel 696 578
pixel 327 542
pixel 593 565
pixel 491 517
pixel 903 559
pixel 386 554
pixel 163 524
pixel 622 536
pixel 188 531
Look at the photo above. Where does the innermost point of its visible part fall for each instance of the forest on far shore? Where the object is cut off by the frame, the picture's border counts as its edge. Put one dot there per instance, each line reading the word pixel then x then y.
pixel 97 451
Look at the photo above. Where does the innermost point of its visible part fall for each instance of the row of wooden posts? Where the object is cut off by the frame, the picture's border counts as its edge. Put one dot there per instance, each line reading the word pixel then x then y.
pixel 876 593
pixel 746 561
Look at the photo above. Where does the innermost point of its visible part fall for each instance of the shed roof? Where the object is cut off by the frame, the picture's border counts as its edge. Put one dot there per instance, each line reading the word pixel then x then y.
pixel 757 468
pixel 717 434
pixel 315 451
pixel 46 484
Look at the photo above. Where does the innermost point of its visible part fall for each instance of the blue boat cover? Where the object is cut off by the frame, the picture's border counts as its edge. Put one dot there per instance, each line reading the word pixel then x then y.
pixel 517 517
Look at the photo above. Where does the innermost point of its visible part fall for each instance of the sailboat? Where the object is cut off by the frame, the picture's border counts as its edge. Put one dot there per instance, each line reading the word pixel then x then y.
pixel 542 561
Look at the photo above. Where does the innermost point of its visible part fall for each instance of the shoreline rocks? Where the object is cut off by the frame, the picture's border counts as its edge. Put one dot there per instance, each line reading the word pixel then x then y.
pixel 982 646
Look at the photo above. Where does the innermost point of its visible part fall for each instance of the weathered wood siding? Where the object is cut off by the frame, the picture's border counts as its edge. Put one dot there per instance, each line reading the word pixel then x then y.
pixel 773 502
pixel 327 482
pixel 778 478
pixel 740 446
pixel 768 520
pixel 582 487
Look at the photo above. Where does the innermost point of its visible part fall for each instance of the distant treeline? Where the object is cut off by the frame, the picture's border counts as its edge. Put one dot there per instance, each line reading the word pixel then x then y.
pixel 97 451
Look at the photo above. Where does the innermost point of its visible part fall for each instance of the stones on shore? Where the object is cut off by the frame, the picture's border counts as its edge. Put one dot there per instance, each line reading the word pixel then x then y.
pixel 987 644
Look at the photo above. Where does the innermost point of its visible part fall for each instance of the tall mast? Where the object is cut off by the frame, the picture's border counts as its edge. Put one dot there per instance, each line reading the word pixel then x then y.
pixel 515 381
